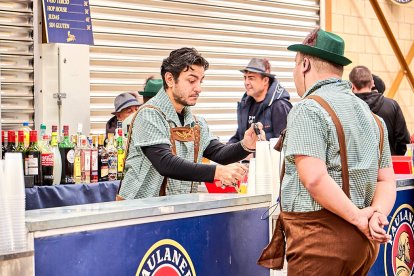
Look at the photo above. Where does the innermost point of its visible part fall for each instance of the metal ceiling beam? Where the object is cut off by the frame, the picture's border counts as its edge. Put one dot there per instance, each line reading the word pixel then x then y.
pixel 397 81
pixel 397 51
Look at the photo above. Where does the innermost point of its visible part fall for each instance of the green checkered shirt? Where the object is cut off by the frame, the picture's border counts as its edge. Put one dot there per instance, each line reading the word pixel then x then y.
pixel 151 128
pixel 311 132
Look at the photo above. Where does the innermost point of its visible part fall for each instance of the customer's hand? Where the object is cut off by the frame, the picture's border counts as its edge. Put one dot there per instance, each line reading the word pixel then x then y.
pixel 362 220
pixel 230 174
pixel 376 227
pixel 250 138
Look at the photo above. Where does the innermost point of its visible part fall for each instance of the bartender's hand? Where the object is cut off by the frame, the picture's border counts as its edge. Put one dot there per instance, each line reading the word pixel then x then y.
pixel 250 138
pixel 376 227
pixel 230 174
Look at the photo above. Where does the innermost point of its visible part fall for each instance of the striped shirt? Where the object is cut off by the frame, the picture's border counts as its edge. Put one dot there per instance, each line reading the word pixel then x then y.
pixel 152 128
pixel 311 132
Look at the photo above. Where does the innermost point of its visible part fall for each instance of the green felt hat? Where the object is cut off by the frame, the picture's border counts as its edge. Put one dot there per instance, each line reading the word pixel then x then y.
pixel 328 46
pixel 151 88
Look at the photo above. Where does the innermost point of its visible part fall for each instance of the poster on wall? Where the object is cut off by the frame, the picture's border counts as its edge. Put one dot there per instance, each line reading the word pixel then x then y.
pixel 68 21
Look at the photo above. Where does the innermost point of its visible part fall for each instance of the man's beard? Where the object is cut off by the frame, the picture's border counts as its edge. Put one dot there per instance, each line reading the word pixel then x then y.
pixel 182 101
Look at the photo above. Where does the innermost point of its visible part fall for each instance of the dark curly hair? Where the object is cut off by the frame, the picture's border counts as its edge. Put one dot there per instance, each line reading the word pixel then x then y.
pixel 181 60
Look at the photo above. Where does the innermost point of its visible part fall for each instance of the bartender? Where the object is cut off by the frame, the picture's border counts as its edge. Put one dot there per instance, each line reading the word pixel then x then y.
pixel 168 142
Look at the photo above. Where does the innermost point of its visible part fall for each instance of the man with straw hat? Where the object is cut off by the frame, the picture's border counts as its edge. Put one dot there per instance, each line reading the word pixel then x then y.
pixel 339 185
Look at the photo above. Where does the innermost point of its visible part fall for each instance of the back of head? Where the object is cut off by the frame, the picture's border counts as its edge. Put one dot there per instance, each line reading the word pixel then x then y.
pixel 379 84
pixel 181 60
pixel 326 49
pixel 361 77
pixel 151 88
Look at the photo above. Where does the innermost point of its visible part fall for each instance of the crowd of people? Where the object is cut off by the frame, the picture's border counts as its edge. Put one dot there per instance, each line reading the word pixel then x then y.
pixel 332 178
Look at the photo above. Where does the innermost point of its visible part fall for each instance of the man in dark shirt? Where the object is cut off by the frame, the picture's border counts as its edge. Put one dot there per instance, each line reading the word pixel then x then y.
pixel 265 101
pixel 387 109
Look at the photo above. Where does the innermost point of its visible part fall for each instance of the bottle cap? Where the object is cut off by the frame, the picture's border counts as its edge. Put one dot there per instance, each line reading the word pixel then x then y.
pixel 11 136
pixel 33 136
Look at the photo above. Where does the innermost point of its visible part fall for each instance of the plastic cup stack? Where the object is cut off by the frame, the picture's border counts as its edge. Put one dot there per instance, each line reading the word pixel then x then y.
pixel 12 204
pixel 251 177
pixel 277 161
pixel 264 174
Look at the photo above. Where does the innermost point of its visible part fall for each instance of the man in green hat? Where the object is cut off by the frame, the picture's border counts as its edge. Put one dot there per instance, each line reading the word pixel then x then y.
pixel 332 230
pixel 151 88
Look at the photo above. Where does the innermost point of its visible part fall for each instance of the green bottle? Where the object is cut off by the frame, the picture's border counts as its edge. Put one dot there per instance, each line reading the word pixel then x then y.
pixel 33 159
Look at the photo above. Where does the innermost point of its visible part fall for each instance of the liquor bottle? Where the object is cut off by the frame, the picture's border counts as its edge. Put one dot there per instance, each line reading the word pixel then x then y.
pixel 77 173
pixel 118 127
pixel 85 160
pixel 11 141
pixel 57 161
pixel 121 154
pixel 78 136
pixel 102 159
pixel 47 163
pixel 94 159
pixel 32 159
pixel 112 158
pixel 3 145
pixel 67 154
pixel 21 148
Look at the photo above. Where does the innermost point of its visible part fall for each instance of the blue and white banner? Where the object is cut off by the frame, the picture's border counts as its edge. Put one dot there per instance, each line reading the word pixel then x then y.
pixel 68 21
pixel 219 244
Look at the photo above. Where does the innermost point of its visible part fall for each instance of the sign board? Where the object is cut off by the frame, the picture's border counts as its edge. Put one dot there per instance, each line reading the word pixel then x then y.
pixel 68 21
pixel 217 244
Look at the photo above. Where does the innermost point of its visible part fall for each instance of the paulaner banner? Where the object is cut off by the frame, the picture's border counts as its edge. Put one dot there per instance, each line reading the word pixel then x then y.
pixel 68 21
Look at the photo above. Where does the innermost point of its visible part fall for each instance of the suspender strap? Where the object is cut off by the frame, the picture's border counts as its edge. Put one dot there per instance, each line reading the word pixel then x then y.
pixel 130 134
pixel 381 145
pixel 182 134
pixel 341 140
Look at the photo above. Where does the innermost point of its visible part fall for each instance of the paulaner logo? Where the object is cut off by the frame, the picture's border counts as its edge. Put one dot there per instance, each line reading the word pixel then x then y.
pixel 166 258
pixel 399 252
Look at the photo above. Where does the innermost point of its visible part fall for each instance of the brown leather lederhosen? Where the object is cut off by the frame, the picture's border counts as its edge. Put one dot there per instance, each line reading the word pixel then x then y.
pixel 180 134
pixel 332 246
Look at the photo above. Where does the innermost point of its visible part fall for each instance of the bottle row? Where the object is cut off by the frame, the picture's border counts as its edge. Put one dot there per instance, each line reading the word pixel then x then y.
pixel 76 159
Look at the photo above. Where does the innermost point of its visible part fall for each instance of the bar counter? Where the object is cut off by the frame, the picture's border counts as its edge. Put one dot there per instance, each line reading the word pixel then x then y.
pixel 203 234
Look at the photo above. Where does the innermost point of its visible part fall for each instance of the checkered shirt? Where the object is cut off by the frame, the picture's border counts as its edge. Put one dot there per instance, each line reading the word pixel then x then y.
pixel 151 128
pixel 311 132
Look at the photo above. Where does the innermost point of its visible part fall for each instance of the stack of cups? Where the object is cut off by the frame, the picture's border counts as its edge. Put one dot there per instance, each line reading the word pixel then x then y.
pixel 277 161
pixel 264 174
pixel 251 187
pixel 12 204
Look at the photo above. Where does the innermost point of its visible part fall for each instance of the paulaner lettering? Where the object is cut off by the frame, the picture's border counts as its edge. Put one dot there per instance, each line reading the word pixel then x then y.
pixel 163 255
